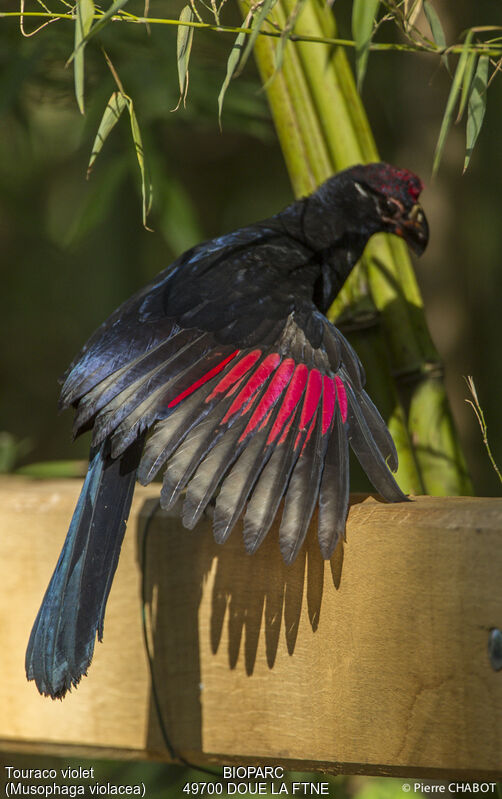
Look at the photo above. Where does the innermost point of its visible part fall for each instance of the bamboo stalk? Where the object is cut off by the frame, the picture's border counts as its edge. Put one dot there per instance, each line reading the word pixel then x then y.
pixel 322 127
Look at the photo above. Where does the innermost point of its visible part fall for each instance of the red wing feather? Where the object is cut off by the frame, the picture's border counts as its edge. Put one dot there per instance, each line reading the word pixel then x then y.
pixel 258 425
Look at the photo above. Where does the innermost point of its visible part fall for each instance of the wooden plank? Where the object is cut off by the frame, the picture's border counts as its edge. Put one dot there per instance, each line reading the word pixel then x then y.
pixel 373 663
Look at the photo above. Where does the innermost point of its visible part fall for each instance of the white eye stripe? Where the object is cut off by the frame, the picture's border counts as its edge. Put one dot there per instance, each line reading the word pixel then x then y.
pixel 360 189
pixel 396 205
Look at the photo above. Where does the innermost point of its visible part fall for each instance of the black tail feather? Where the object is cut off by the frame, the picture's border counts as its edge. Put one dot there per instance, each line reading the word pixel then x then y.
pixel 62 640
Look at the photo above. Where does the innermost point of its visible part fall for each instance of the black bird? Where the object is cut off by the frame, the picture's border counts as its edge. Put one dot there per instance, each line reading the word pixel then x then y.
pixel 225 371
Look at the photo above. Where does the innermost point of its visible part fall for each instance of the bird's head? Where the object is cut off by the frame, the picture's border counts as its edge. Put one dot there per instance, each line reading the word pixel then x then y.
pixel 387 198
pixel 337 220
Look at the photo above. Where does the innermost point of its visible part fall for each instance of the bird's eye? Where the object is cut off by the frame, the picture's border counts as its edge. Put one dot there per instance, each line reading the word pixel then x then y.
pixel 391 207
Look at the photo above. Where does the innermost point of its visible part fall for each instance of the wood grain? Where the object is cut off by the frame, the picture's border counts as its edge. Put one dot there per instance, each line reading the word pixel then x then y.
pixel 373 663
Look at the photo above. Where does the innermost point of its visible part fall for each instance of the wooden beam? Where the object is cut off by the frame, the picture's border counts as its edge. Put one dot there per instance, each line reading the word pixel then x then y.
pixel 376 662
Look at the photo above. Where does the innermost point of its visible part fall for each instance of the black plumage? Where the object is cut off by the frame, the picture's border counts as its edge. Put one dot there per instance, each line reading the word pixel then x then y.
pixel 225 371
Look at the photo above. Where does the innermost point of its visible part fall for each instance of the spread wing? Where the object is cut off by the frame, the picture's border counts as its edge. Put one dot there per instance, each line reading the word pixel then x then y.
pixel 247 393
pixel 230 381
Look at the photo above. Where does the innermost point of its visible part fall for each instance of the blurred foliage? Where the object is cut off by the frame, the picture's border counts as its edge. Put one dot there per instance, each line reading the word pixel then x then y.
pixel 53 470
pixel 12 449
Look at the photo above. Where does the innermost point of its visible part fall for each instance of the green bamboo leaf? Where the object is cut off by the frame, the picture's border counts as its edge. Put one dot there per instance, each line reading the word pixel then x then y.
pixel 285 35
pixel 184 48
pixel 100 23
pixel 83 22
pixel 233 60
pixel 477 107
pixel 436 29
pixel 452 99
pixel 258 20
pixel 113 110
pixel 466 84
pixel 279 52
pixel 363 17
pixel 118 101
pixel 146 189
